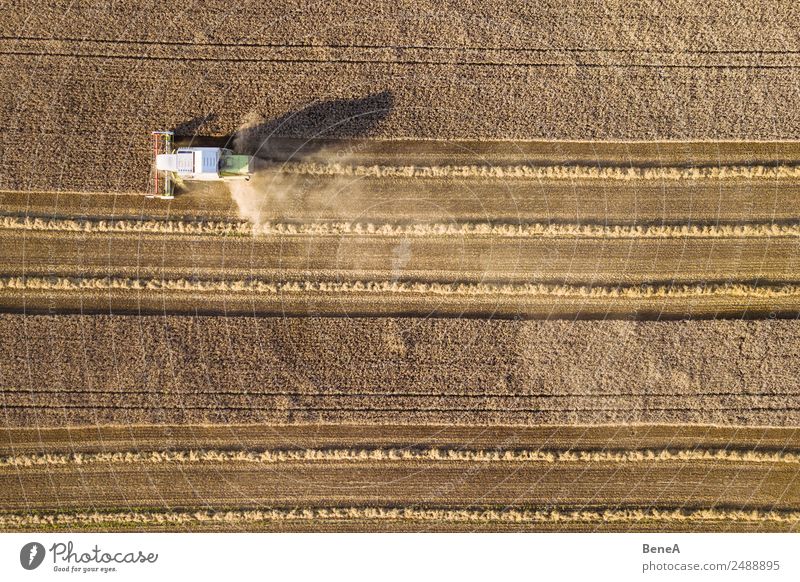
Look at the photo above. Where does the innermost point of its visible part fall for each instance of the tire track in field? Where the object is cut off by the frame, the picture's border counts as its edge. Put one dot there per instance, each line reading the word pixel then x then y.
pixel 244 44
pixel 407 54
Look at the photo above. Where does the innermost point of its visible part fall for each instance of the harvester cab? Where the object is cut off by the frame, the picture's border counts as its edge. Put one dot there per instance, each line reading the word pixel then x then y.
pixel 184 164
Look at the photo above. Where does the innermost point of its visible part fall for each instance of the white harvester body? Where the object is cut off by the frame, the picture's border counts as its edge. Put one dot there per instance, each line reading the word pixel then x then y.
pixel 194 163
pixel 204 164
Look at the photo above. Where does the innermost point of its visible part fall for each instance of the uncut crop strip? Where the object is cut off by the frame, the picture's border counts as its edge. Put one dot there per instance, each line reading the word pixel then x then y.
pixel 67 284
pixel 286 368
pixel 338 228
pixel 401 454
pixel 581 97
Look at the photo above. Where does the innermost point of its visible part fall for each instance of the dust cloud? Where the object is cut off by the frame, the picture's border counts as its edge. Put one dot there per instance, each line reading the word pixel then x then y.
pixel 273 194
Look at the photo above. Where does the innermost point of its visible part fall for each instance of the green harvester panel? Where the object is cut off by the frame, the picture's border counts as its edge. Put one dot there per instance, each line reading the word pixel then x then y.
pixel 234 165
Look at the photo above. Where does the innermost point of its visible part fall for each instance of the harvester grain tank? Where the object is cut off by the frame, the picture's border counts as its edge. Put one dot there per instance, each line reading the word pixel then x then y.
pixel 186 164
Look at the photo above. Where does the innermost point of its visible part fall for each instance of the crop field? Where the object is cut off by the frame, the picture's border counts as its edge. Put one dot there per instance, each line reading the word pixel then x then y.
pixel 493 271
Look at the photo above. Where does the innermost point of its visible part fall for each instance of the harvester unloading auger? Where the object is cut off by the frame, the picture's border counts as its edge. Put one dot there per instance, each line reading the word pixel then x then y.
pixel 185 164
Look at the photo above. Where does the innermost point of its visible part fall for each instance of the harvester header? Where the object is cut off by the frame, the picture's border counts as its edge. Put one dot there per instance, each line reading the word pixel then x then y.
pixel 184 164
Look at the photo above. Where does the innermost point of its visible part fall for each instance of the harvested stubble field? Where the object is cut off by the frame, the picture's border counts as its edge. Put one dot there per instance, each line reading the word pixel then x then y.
pixel 400 478
pixel 385 330
pixel 463 228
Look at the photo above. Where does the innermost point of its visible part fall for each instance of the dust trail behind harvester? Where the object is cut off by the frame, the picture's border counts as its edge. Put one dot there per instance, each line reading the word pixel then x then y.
pixel 260 193
pixel 272 194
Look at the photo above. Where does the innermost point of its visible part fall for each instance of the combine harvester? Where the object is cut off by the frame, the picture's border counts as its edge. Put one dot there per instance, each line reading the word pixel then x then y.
pixel 186 164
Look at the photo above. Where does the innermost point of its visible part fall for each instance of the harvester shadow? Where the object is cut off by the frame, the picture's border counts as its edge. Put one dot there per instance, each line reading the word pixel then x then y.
pixel 303 132
pixel 296 134
pixel 192 127
pixel 292 136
